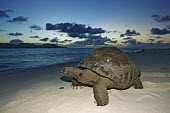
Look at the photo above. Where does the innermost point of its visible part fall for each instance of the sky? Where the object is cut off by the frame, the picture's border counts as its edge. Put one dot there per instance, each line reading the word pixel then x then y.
pixel 86 23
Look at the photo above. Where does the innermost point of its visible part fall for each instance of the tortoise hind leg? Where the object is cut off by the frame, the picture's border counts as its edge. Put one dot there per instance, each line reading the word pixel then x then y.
pixel 100 93
pixel 138 84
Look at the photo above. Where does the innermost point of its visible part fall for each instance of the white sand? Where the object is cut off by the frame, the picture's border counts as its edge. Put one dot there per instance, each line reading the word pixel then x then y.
pixel 37 91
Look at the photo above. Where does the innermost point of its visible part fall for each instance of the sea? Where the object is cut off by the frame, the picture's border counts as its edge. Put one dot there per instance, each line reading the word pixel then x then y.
pixel 14 59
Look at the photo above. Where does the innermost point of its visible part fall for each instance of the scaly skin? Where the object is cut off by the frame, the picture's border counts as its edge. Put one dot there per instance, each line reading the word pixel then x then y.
pixel 101 84
pixel 88 77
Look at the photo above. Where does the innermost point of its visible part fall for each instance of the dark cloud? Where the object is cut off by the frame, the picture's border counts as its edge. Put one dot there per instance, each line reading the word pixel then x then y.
pixel 156 37
pixel 3 14
pixel 122 35
pixel 35 27
pixel 98 40
pixel 18 19
pixel 15 34
pixel 157 31
pixel 159 42
pixel 16 41
pixel 74 28
pixel 86 36
pixel 130 33
pixel 157 18
pixel 62 42
pixel 78 35
pixel 168 26
pixel 111 41
pixel 54 40
pixel 66 40
pixel 57 40
pixel 35 36
pixel 136 44
pixel 129 40
pixel 44 39
pixel 115 31
pixel 151 40
pixel 61 34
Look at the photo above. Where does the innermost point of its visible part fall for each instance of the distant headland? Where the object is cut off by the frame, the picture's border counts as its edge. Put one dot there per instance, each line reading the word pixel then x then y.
pixel 28 45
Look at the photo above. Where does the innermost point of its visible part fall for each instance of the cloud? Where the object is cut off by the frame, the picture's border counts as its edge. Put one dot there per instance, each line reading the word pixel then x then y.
pixel 74 28
pixel 15 34
pixel 159 42
pixel 157 18
pixel 78 35
pixel 84 35
pixel 66 40
pixel 98 40
pixel 115 31
pixel 35 36
pixel 157 37
pixel 111 41
pixel 3 14
pixel 168 26
pixel 130 33
pixel 16 41
pixel 18 19
pixel 44 39
pixel 54 40
pixel 129 40
pixel 157 31
pixel 122 35
pixel 151 40
pixel 35 27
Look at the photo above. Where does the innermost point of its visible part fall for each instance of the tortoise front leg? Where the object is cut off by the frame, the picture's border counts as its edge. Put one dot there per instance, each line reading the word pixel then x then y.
pixel 100 93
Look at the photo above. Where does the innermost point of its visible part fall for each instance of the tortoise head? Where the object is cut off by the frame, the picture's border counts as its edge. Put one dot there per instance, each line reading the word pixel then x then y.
pixel 71 72
pixel 83 76
pixel 67 71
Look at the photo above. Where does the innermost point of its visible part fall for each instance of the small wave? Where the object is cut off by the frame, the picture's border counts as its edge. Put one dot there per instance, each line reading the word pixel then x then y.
pixel 4 66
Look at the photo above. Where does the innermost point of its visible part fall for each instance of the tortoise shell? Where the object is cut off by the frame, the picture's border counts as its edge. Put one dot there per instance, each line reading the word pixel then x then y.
pixel 107 62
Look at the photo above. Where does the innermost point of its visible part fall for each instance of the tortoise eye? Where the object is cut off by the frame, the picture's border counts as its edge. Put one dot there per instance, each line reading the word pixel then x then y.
pixel 80 74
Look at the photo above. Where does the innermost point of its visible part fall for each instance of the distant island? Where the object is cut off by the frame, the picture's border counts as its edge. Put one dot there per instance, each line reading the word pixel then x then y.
pixel 27 45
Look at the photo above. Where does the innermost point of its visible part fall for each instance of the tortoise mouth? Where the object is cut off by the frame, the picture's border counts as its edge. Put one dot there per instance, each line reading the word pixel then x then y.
pixel 63 71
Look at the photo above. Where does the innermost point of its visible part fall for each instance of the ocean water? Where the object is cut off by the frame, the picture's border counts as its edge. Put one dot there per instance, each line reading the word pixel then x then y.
pixel 22 58
pixel 13 59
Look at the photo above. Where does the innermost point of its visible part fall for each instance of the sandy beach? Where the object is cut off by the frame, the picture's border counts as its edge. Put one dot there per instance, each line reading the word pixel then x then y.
pixel 45 90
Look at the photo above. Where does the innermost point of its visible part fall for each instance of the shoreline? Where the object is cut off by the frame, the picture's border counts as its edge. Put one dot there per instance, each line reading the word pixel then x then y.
pixel 132 54
pixel 45 90
pixel 24 69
